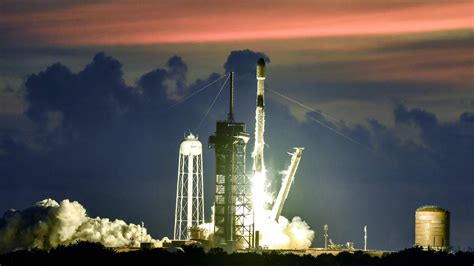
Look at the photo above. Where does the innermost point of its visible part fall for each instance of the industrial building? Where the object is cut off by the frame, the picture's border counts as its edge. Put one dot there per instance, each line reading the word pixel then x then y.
pixel 432 227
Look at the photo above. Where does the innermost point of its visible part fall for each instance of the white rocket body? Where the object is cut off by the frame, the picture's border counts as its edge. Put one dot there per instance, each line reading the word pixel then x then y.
pixel 259 165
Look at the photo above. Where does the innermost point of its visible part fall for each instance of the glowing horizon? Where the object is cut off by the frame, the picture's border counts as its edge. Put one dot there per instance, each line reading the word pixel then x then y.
pixel 124 23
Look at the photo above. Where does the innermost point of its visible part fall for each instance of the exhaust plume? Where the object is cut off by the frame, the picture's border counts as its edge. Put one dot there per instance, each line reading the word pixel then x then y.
pixel 48 224
pixel 285 234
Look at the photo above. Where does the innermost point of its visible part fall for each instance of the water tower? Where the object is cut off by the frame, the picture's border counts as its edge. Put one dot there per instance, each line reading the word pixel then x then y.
pixel 189 210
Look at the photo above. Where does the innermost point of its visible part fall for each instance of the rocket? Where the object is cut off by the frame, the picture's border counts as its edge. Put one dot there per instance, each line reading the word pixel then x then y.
pixel 258 164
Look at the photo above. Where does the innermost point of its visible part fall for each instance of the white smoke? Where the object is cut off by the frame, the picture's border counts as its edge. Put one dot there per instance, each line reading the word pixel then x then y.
pixel 209 227
pixel 48 224
pixel 285 234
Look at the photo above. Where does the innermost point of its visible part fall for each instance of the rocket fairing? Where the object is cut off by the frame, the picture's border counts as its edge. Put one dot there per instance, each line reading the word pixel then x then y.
pixel 259 165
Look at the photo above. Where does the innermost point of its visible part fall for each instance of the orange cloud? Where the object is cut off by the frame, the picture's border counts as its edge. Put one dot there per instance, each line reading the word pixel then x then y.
pixel 148 22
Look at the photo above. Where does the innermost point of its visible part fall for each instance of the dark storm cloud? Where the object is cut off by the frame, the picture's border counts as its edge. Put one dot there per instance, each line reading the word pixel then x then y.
pixel 452 142
pixel 177 66
pixel 97 96
pixel 467 117
pixel 88 99
pixel 420 117
pixel 151 83
pixel 178 70
pixel 442 157
pixel 81 117
pixel 444 149
pixel 243 61
pixel 102 141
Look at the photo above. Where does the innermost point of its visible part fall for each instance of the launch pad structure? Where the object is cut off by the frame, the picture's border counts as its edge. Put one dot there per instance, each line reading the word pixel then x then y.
pixel 238 205
pixel 241 215
pixel 233 225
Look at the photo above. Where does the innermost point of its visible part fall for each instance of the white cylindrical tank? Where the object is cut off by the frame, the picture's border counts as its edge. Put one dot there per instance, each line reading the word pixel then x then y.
pixel 189 210
pixel 190 146
pixel 432 227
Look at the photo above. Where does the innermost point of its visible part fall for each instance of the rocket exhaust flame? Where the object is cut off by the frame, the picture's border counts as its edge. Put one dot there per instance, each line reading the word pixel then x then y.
pixel 276 231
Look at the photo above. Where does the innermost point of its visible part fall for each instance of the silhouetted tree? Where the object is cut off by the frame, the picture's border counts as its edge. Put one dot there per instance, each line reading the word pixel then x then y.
pixel 86 253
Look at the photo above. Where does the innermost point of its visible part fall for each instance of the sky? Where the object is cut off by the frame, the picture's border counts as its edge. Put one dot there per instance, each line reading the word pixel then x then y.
pixel 87 89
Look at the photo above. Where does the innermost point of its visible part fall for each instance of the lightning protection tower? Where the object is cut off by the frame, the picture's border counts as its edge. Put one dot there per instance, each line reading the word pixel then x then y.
pixel 189 210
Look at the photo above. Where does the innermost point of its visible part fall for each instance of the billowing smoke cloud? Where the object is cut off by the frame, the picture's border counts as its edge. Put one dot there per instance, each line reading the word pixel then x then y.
pixel 285 234
pixel 48 224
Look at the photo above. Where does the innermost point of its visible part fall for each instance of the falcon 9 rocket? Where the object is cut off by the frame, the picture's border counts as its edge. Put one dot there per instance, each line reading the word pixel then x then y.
pixel 259 175
pixel 258 164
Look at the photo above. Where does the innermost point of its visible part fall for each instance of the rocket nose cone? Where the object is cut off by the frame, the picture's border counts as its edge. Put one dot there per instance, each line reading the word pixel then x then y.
pixel 261 62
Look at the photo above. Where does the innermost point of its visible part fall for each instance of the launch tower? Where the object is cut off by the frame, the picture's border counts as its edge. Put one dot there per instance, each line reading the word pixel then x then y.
pixel 233 226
